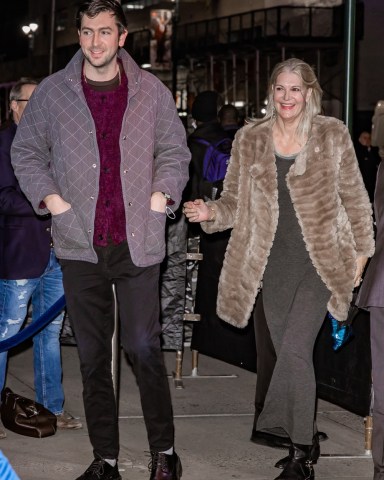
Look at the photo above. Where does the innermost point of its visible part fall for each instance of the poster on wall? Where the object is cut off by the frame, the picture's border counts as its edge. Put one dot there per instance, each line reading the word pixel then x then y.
pixel 161 38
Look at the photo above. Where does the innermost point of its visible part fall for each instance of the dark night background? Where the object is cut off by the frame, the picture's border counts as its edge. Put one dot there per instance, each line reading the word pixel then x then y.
pixel 13 42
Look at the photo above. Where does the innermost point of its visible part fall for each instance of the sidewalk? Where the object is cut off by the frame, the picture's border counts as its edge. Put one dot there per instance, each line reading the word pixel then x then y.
pixel 213 420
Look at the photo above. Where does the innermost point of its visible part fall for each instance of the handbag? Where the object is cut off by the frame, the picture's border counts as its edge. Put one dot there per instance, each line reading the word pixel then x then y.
pixel 25 416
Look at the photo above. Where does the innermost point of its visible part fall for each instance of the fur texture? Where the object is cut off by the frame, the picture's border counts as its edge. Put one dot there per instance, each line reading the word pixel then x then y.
pixel 330 201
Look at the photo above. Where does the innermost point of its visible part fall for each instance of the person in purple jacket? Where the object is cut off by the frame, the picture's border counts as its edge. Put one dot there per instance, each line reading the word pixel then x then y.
pixel 29 270
pixel 102 148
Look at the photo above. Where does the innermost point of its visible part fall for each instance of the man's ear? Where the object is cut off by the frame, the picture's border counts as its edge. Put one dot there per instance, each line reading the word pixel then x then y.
pixel 122 38
pixel 14 106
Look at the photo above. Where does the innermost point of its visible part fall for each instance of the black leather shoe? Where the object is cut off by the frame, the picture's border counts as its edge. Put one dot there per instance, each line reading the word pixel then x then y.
pixel 314 454
pixel 270 440
pixel 100 470
pixel 299 466
pixel 165 467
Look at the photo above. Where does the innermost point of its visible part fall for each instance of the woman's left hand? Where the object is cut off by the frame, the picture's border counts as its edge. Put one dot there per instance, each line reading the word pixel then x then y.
pixel 360 265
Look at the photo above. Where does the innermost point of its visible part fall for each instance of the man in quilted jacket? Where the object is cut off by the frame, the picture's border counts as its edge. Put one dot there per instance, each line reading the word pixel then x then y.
pixel 102 148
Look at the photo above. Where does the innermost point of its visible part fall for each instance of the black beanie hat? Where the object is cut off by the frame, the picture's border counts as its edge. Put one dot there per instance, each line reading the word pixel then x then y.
pixel 205 106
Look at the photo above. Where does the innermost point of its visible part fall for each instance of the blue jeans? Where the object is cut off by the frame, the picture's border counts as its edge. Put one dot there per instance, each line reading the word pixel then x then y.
pixel 44 291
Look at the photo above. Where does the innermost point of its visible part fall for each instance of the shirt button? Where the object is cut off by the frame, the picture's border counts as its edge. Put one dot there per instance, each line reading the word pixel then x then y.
pixel 130 204
pixel 125 172
pixel 132 234
pixel 94 165
pixel 92 198
pixel 124 137
pixel 48 229
pixel 89 230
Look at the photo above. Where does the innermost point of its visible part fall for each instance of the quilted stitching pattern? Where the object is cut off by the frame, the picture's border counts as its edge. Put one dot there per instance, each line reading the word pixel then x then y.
pixel 55 151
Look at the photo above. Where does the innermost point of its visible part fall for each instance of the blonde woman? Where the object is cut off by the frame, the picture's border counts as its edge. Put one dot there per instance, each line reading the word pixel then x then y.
pixel 302 231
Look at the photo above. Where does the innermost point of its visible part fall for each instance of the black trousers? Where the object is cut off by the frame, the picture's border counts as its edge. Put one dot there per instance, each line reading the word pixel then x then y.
pixel 89 296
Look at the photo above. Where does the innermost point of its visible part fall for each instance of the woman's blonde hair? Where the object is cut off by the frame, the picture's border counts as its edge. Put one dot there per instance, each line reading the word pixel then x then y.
pixel 308 77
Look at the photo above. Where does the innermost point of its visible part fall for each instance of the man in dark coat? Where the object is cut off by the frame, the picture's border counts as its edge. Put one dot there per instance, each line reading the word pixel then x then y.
pixel 371 296
pixel 369 159
pixel 229 118
pixel 29 271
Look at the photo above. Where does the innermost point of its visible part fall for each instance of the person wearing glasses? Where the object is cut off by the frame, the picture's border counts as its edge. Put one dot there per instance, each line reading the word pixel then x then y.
pixel 29 271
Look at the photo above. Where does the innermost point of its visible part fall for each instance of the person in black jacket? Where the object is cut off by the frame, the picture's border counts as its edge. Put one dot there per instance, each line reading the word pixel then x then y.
pixel 205 114
pixel 29 271
pixel 369 159
pixel 210 335
pixel 229 118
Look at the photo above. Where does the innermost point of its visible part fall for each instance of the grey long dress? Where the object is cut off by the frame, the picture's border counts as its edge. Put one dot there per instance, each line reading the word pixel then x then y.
pixel 295 300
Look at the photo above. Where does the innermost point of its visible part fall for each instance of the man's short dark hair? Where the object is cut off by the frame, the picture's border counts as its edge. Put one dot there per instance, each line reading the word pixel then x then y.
pixel 91 8
pixel 15 91
pixel 228 114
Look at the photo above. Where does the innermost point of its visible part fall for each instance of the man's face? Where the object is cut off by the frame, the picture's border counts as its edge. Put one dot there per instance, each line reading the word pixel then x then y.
pixel 18 105
pixel 365 139
pixel 100 40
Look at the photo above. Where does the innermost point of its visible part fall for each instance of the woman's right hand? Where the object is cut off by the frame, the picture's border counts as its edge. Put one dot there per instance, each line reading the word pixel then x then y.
pixel 197 211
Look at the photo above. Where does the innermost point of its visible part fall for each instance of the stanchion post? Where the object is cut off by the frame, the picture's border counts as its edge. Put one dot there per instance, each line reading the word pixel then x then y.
pixel 368 434
pixel 191 317
pixel 178 375
pixel 195 363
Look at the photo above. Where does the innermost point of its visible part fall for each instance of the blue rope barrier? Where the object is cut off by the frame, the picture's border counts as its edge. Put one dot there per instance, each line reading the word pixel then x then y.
pixel 34 327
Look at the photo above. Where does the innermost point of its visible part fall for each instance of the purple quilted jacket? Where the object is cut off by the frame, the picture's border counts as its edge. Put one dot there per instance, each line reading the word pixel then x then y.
pixel 55 151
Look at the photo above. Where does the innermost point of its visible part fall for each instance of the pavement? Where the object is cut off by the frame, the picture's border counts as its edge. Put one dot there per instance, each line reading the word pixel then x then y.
pixel 213 421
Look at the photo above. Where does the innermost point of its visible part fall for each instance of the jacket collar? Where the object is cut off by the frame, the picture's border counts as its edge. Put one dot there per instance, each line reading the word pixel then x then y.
pixel 262 135
pixel 72 71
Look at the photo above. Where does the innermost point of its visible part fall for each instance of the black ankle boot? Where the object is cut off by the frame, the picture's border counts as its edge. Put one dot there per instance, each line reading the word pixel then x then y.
pixel 315 454
pixel 299 466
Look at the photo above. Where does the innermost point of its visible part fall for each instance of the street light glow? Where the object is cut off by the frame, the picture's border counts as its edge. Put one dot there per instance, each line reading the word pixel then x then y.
pixel 29 29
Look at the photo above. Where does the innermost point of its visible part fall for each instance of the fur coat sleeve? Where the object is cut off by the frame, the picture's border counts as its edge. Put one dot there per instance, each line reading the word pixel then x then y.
pixel 330 202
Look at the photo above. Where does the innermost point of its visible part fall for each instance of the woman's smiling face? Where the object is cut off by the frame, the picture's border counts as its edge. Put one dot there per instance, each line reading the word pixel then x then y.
pixel 290 96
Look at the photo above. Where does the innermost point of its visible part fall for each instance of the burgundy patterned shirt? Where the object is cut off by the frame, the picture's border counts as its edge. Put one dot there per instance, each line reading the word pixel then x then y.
pixel 107 102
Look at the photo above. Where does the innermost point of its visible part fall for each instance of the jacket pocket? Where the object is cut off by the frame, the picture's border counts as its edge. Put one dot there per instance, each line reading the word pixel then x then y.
pixel 155 237
pixel 67 232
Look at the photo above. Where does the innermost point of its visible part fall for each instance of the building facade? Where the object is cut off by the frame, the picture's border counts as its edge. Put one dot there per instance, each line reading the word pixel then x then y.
pixel 193 45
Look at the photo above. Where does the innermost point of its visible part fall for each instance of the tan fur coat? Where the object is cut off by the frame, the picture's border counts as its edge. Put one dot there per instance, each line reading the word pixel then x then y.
pixel 330 201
